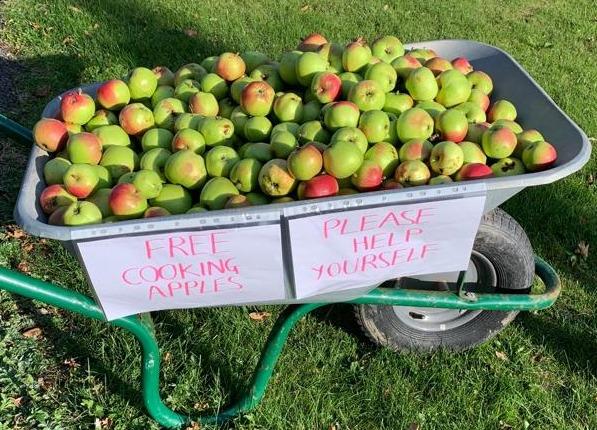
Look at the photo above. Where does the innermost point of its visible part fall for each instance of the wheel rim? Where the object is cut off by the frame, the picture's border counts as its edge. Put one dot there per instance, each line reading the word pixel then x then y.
pixel 480 277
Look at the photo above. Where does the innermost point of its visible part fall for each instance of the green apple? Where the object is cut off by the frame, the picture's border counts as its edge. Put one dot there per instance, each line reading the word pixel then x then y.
pixel 82 213
pixel 174 198
pixel 216 192
pixel 156 138
pixel 186 168
pixel 220 159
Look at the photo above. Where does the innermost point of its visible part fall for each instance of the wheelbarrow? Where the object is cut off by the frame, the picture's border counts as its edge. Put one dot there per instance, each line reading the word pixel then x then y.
pixel 423 313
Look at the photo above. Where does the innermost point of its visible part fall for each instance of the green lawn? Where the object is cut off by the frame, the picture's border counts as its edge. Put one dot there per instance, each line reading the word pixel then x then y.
pixel 540 373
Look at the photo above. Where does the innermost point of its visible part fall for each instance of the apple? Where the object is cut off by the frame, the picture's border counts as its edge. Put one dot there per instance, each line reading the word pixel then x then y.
pixel 81 180
pixel 147 182
pixel 472 152
pixel 184 90
pixel 204 104
pixel 512 125
pixel 187 120
pixel 216 131
pixel 214 84
pixel 155 159
pixel 257 199
pixel 274 178
pixel 368 177
pixel 245 173
pixel 508 167
pixel 472 171
pixel 156 138
pixel 55 169
pixel 348 80
pixel 312 131
pixel 312 42
pixel 305 163
pixel 416 149
pixel 454 88
pixel 54 196
pixel 239 118
pixel 332 53
pixel 164 75
pixel 356 55
pixel 162 92
pixel 50 134
pixel 260 151
pixel 166 111
pixel 174 198
pixel 268 73
pixel 438 65
pixel 188 139
pixel 216 192
pixel 462 65
pixel 385 156
pixel 524 138
pixel 101 117
pixel 472 111
pixel 190 71
pixel 479 98
pixel 421 84
pixel 112 135
pixel 113 94
pixel 538 156
pixel 397 103
pixel 104 177
pixel 405 64
pixel 391 184
pixel 307 66
pixel 282 143
pixel 317 187
pixel 257 98
pixel 422 54
pixel 446 158
pixel 76 107
pixel 501 109
pixel 287 69
pixel 375 125
pixel 387 48
pixel 475 131
pixel 119 160
pixel 253 59
pixel 452 125
pixel 186 168
pixel 237 201
pixel 155 212
pixel 341 114
pixel 481 81
pixel 431 107
pixel 311 111
pixel 326 86
pixel 352 135
pixel 257 129
pixel 101 199
pixel 196 209
pixel 142 83
pixel 81 213
pixel 126 201
pixel 288 107
pixel 135 119
pixel 342 159
pixel 291 127
pixel 367 95
pixel 230 66
pixel 440 179
pixel 412 173
pixel 84 148
pixel 498 142
pixel 220 159
pixel 414 123
pixel 225 107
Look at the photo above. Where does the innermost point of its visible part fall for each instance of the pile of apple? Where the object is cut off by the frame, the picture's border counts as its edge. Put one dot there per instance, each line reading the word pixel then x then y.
pixel 240 130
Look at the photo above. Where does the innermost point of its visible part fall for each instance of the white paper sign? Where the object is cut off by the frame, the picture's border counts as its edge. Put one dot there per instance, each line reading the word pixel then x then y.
pixel 357 248
pixel 185 269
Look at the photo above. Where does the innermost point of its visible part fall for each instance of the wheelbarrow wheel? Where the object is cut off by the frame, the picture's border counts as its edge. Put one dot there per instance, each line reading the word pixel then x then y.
pixel 501 261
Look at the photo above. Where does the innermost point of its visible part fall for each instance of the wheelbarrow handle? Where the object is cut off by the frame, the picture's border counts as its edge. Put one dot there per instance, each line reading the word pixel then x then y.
pixel 15 130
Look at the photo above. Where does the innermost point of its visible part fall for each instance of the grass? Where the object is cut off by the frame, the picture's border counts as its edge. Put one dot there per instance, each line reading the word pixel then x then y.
pixel 540 373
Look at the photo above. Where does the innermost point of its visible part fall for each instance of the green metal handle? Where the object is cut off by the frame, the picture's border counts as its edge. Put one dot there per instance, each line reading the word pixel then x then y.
pixel 15 130
pixel 141 328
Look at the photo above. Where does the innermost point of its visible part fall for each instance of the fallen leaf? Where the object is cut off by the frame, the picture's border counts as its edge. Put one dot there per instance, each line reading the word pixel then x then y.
pixel 35 25
pixel 17 401
pixel 501 355
pixel 582 249
pixel 15 232
pixel 74 9
pixel 190 32
pixel 591 179
pixel 333 427
pixel 201 406
pixel 505 426
pixel 43 383
pixel 414 426
pixel 167 357
pixel 23 267
pixel 68 40
pixel 259 316
pixel 72 363
pixel 386 6
pixel 103 424
pixel 34 332
pixel 305 8
pixel 194 426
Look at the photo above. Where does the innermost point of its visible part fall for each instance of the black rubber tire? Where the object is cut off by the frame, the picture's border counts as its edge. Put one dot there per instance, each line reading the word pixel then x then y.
pixel 504 243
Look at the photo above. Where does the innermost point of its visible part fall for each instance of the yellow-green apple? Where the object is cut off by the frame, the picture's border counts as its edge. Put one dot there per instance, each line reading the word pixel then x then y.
pixel 356 55
pixel 166 111
pixel 156 138
pixel 188 139
pixel 368 177
pixel 155 212
pixel 191 71
pixel 101 198
pixel 412 173
pixel 421 84
pixel 342 159
pixel 113 94
pixel 216 192
pixel 54 196
pixel 155 159
pixel 50 134
pixel 387 48
pixel 498 142
pixel 148 182
pixel 73 128
pixel 307 66
pixel 81 213
pixel 375 125
pixel 481 81
pixel 341 114
pixel 349 80
pixel 119 160
pixel 471 171
pixel 104 177
pixel 257 129
pixel 446 158
pixel 305 162
pixel 312 131
pixel 440 179
pixel 405 64
pixel 385 156
pixel 76 107
pixel 186 89
pixel 112 135
pixel 288 107
pixel 352 135
pixel 452 125
pixel 196 209
pixel 203 104
pixel 136 119
pixel 414 123
pixel 462 65
pixel 162 92
pixel 473 112
pixel 501 109
pixel 257 98
pixel 438 65
pixel 101 117
pixel 311 111
pixel 229 66
pixel 311 42
pixel 220 159
pixel 524 138
pixel 538 156
pixel 274 178
pixel 84 148
pixel 479 98
pixel 214 84
pixel 317 187
pixel 431 107
pixel 164 75
pixel 287 68
pixel 384 75
pixel 508 167
pixel 367 95
pixel 186 168
pixel 475 131
pixel 216 131
pixel 55 169
pixel 126 201
pixel 269 73
pixel 392 136
pixel 245 173
pixel 282 143
pixel 174 198
pixel 260 151
pixel 237 201
pixel 258 198
pixel 253 59
pixel 332 53
pixel 397 103
pixel 187 120
pixel 472 152
pixel 142 83
pixel 415 149
pixel 326 86
pixel 291 127
pixel 239 118
pixel 454 88
pixel 422 54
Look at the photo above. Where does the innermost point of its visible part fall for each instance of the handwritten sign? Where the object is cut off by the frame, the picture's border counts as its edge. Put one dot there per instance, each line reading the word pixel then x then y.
pixel 185 269
pixel 357 248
